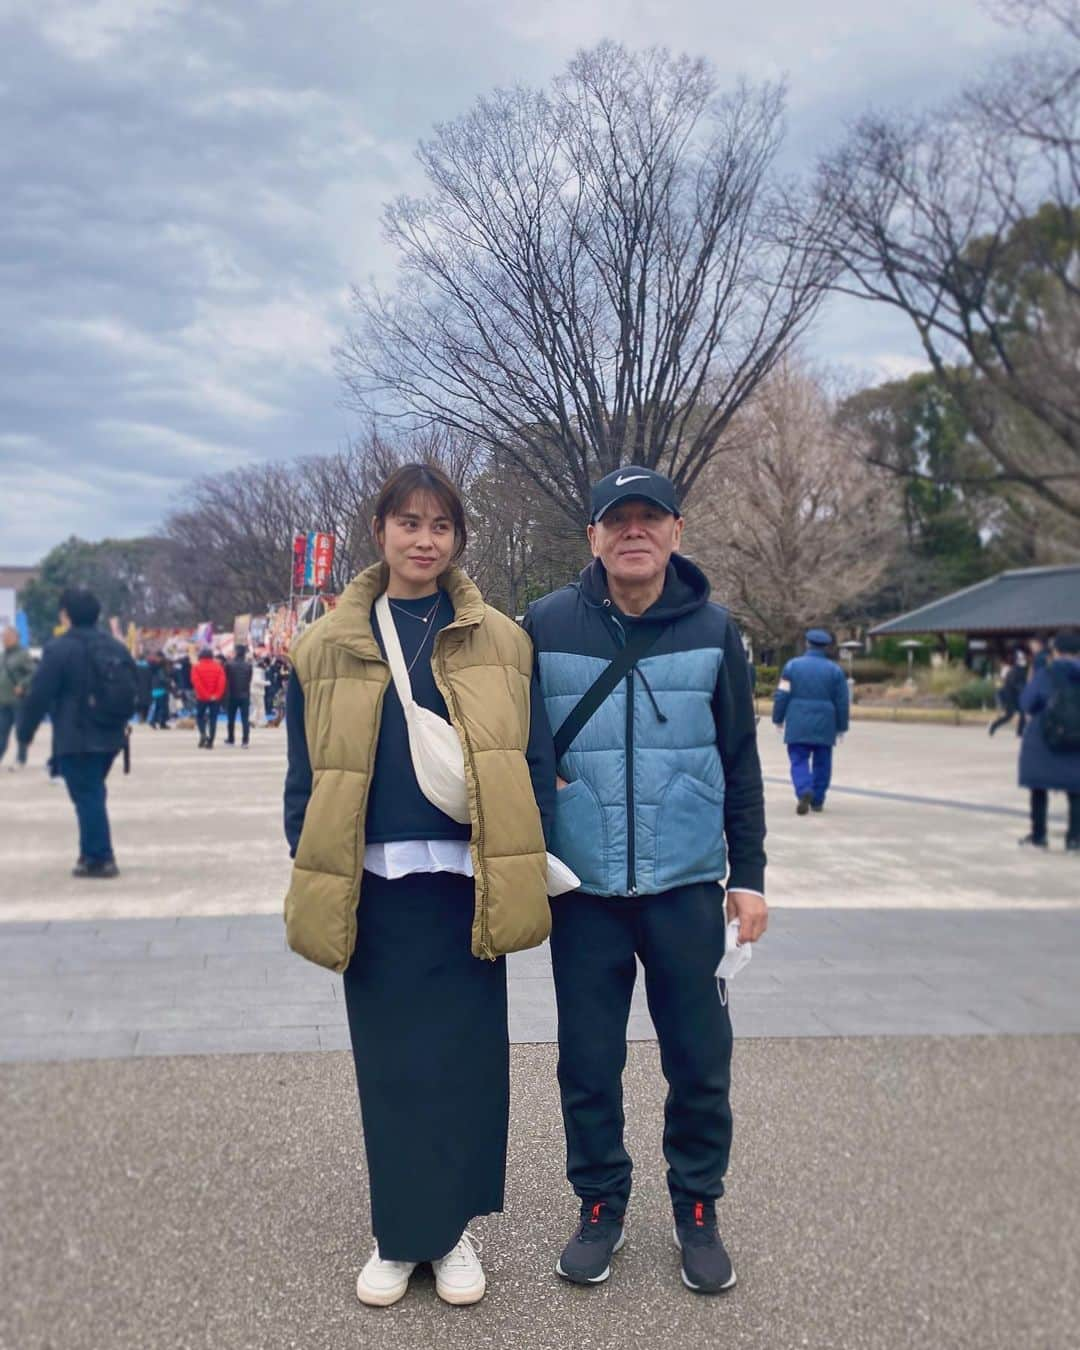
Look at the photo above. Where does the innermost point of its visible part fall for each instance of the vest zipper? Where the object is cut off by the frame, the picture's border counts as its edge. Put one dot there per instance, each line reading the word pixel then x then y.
pixel 631 840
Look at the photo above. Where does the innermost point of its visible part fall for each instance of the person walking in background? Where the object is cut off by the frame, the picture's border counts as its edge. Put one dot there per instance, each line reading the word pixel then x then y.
pixel 1050 750
pixel 16 672
pixel 160 689
pixel 660 799
pixel 144 676
pixel 209 683
pixel 275 679
pixel 238 679
pixel 181 683
pixel 1012 684
pixel 812 704
pixel 257 701
pixel 441 898
pixel 86 683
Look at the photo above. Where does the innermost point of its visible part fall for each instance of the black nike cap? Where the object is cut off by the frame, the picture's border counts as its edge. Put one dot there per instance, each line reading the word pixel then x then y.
pixel 633 483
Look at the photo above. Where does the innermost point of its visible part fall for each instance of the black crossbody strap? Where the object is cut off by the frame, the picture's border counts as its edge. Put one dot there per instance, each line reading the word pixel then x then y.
pixel 642 637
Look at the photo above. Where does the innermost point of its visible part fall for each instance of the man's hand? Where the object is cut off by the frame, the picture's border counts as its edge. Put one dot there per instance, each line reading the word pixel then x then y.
pixel 752 913
pixel 560 783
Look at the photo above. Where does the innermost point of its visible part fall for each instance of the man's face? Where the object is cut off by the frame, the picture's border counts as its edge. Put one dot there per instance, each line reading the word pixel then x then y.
pixel 11 638
pixel 635 540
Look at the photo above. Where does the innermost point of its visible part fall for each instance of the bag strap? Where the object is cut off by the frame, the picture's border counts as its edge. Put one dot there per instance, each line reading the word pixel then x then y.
pixel 643 636
pixel 395 659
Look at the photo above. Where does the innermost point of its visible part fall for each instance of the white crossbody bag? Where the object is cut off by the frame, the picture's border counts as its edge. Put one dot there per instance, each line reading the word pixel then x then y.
pixel 437 757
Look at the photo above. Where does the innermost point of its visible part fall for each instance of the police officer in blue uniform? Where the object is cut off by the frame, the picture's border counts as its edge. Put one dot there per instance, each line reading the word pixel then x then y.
pixel 812 705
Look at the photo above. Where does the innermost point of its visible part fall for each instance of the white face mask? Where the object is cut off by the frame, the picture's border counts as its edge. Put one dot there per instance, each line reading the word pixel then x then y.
pixel 734 959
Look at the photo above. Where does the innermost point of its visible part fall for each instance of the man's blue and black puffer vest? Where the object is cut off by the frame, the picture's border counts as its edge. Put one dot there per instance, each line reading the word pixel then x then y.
pixel 667 766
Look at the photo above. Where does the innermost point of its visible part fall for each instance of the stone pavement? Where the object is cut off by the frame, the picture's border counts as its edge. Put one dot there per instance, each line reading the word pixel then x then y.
pixel 884 1194
pixel 904 1175
pixel 906 908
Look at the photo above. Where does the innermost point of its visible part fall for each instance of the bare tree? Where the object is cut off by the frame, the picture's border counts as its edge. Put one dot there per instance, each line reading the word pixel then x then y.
pixel 797 526
pixel 967 221
pixel 521 545
pixel 600 273
pixel 232 534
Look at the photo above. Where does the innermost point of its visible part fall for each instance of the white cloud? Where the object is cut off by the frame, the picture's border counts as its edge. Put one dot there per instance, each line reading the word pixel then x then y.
pixel 91 30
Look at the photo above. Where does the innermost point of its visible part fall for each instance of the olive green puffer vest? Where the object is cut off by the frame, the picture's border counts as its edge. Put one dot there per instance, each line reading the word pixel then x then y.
pixel 482 664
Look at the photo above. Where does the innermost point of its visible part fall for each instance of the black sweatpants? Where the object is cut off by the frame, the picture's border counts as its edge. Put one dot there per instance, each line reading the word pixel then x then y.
pixel 206 718
pixel 679 936
pixel 243 707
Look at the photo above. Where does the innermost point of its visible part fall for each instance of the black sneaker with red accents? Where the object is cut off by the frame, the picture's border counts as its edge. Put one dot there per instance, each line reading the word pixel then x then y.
pixel 586 1258
pixel 706 1266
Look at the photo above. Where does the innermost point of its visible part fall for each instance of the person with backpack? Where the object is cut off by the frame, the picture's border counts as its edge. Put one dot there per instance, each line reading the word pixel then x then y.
pixel 238 678
pixel 660 802
pixel 1050 750
pixel 209 683
pixel 87 685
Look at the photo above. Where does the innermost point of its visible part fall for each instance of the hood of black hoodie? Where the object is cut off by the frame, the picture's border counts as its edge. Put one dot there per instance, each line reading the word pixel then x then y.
pixel 686 589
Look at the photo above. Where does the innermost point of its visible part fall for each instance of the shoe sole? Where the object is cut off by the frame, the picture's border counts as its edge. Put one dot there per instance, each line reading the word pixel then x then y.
pixel 379 1298
pixel 697 1288
pixel 591 1279
pixel 461 1298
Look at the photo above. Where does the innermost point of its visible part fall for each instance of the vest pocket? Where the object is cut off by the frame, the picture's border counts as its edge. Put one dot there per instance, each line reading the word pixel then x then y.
pixel 581 833
pixel 689 832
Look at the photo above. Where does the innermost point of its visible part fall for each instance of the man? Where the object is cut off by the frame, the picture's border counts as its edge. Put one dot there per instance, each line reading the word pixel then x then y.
pixel 209 683
pixel 1050 750
pixel 660 797
pixel 812 705
pixel 238 676
pixel 86 683
pixel 16 670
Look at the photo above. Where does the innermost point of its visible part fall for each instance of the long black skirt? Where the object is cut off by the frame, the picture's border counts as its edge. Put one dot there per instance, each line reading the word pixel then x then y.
pixel 430 1042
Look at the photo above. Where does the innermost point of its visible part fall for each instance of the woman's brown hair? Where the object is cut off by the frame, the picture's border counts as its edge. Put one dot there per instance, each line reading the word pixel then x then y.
pixel 404 483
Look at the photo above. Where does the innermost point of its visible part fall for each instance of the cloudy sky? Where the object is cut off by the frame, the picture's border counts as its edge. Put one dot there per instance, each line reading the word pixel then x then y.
pixel 187 188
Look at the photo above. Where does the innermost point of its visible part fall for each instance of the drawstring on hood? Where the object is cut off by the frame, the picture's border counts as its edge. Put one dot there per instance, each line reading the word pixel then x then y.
pixel 686 588
pixel 660 716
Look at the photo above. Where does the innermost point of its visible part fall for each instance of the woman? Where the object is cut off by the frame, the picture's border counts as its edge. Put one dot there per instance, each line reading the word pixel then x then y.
pixel 1049 762
pixel 416 909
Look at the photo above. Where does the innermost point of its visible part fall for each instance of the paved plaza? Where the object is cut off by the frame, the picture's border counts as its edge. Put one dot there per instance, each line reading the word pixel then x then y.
pixel 184 1163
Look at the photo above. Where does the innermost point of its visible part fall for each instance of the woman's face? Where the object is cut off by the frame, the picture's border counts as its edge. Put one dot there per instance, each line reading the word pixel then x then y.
pixel 418 543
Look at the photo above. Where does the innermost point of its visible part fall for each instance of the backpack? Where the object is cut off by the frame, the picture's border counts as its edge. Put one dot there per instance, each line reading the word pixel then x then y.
pixel 111 682
pixel 1061 720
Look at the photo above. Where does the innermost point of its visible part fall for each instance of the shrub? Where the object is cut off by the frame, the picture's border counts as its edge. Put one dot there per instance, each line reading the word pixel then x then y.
pixel 974 694
pixel 889 649
pixel 769 675
pixel 867 670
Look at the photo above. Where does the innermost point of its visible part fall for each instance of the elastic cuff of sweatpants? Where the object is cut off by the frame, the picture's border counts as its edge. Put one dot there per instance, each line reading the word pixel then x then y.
pixel 747 878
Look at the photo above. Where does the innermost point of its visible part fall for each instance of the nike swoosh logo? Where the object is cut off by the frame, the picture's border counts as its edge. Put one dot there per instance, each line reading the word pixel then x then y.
pixel 620 482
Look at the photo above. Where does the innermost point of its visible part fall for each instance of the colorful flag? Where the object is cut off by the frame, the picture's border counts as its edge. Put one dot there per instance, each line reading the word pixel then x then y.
pixel 299 564
pixel 324 561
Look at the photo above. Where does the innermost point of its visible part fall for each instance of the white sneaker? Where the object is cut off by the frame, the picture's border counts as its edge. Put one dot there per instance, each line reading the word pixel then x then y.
pixel 381 1282
pixel 459 1276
